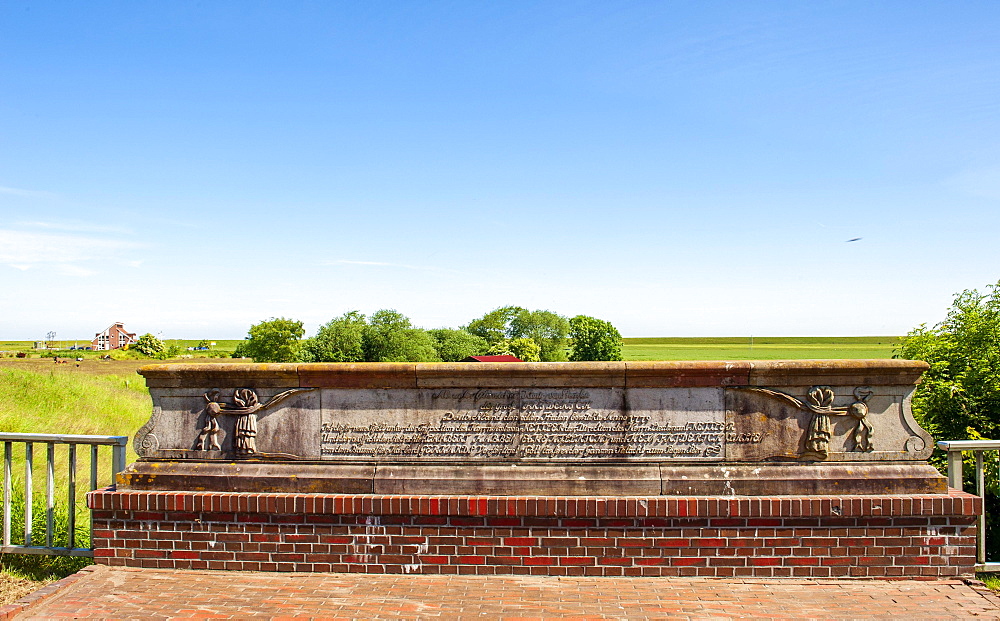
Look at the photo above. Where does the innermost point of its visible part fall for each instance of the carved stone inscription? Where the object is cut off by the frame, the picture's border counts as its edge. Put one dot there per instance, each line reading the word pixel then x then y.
pixel 524 423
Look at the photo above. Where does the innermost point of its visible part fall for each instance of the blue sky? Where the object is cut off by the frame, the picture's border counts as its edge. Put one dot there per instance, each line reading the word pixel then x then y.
pixel 677 168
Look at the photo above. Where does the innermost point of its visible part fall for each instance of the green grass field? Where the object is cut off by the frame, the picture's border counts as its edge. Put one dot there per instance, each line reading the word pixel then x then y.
pixel 761 348
pixel 659 348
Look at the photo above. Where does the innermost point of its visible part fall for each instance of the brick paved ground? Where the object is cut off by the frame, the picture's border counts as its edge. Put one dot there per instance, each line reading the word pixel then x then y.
pixel 104 592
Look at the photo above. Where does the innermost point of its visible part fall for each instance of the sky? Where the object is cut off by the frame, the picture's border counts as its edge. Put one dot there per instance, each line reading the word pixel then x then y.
pixel 676 168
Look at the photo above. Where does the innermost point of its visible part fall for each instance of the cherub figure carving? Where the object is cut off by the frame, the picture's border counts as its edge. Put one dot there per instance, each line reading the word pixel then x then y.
pixel 209 436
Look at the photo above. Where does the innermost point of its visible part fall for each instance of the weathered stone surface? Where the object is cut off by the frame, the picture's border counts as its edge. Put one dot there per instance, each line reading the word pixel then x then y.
pixel 836 372
pixel 785 479
pixel 684 374
pixel 222 374
pixel 485 428
pixel 522 375
pixel 520 480
pixel 249 476
pixel 358 375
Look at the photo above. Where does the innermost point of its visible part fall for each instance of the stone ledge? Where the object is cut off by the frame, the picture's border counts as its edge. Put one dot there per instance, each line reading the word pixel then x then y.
pixel 671 374
pixel 955 503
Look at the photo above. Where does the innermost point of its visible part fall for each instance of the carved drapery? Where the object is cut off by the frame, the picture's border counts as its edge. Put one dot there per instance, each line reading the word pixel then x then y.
pixel 819 401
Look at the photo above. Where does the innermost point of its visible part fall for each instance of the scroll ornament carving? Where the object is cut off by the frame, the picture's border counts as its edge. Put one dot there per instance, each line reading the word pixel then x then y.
pixel 145 441
pixel 819 401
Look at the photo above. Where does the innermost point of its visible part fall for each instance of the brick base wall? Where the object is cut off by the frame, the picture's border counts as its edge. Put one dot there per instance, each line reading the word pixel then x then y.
pixel 928 536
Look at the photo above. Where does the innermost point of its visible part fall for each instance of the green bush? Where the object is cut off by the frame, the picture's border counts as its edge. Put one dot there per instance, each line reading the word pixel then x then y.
pixel 148 345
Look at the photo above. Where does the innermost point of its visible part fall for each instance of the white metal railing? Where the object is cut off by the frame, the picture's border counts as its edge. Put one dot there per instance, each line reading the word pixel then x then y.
pixel 955 449
pixel 117 444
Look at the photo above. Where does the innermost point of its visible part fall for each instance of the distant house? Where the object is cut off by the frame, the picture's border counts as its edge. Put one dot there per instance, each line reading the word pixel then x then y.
pixel 114 337
pixel 505 358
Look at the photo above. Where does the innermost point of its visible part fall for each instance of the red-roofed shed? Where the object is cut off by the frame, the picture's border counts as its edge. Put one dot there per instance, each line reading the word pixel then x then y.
pixel 504 358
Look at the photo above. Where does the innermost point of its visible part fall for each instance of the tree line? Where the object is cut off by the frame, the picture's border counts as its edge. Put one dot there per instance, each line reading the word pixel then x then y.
pixel 389 336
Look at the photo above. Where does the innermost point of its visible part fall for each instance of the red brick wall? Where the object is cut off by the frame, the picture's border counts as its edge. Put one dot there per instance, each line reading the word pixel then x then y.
pixel 859 536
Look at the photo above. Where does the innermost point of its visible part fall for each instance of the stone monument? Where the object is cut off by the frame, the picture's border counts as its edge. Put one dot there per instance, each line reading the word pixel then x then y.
pixel 667 448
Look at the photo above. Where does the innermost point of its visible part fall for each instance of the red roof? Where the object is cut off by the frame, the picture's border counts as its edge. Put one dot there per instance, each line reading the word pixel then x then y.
pixel 504 358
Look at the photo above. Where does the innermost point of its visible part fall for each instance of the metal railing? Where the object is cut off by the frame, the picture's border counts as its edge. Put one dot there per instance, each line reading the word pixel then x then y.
pixel 117 444
pixel 955 449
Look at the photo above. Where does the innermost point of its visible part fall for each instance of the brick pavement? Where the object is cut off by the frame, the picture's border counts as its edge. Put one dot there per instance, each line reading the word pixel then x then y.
pixel 101 592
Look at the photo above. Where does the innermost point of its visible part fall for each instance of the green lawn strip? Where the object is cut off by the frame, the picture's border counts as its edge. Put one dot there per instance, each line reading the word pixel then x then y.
pixel 757 352
pixel 763 340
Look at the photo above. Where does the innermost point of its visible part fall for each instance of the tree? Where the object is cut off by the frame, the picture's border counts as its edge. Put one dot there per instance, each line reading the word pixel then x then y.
pixel 959 396
pixel 494 326
pixel 524 348
pixel 547 329
pixel 148 345
pixel 274 340
pixel 594 339
pixel 389 337
pixel 456 345
pixel 339 340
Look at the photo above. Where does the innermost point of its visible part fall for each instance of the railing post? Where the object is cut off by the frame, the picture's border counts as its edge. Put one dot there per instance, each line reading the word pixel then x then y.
pixel 50 492
pixel 29 483
pixel 954 450
pixel 32 541
pixel 71 484
pixel 955 469
pixel 981 526
pixel 93 486
pixel 7 449
pixel 118 460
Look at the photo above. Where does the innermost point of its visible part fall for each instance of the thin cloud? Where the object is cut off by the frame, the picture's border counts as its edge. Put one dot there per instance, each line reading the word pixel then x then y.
pixel 378 263
pixel 24 250
pixel 404 266
pixel 68 269
pixel 24 193
pixel 75 227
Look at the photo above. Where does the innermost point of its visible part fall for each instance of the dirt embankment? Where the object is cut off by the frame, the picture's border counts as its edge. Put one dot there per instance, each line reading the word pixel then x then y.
pixel 96 367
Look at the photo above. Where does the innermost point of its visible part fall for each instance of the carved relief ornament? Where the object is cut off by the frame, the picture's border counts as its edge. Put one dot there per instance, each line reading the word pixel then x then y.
pixel 245 407
pixel 819 401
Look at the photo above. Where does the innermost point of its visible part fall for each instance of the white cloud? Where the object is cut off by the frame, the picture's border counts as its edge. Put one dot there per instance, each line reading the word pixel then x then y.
pixel 378 263
pixel 68 269
pixel 392 265
pixel 75 227
pixel 23 193
pixel 23 250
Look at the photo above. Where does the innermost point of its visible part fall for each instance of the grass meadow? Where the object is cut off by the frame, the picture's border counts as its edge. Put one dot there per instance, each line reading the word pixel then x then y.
pixel 62 399
pixel 758 348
